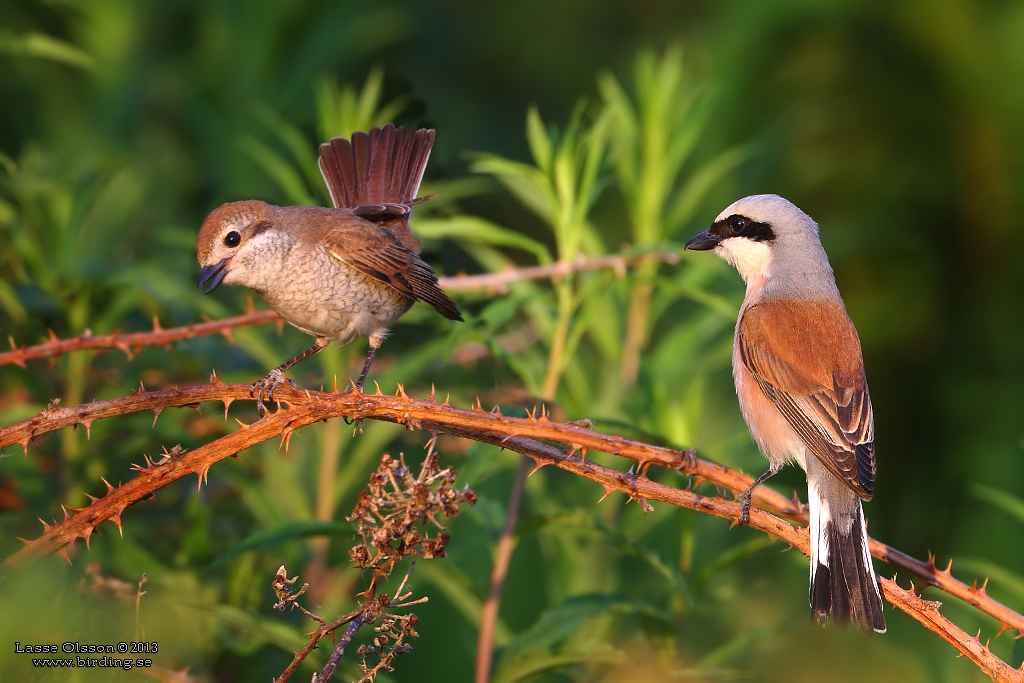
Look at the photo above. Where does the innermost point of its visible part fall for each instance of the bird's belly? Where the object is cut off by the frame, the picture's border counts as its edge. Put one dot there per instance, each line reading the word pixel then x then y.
pixel 335 301
pixel 776 439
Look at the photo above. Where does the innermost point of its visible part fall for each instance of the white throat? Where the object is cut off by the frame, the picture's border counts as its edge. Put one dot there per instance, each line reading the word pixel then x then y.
pixel 752 259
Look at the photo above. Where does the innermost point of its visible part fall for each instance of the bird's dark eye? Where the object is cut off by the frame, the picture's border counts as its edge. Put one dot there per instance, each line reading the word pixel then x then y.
pixel 737 223
pixel 232 239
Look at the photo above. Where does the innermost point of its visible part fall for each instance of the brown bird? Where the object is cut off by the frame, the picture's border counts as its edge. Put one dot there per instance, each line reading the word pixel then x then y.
pixel 336 273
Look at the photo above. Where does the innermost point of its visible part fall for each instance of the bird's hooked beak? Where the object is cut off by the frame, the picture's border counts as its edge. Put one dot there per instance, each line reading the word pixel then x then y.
pixel 703 242
pixel 210 277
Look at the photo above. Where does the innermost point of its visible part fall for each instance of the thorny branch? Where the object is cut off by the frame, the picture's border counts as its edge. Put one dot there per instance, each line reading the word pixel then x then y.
pixel 499 282
pixel 130 343
pixel 518 434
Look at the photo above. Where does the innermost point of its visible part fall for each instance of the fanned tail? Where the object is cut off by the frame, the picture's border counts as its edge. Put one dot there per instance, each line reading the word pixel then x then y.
pixel 381 167
pixel 843 582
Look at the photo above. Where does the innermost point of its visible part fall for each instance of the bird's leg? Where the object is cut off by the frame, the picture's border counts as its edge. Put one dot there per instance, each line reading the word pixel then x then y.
pixel 366 365
pixel 745 497
pixel 265 386
pixel 374 345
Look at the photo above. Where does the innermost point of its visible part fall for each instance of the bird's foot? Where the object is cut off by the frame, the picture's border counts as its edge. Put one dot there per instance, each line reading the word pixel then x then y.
pixel 744 500
pixel 265 388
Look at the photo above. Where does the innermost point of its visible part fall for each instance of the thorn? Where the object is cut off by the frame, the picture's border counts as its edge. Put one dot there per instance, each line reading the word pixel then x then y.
pixel 53 337
pixel 63 552
pixel 116 519
pixel 543 414
pixel 496 410
pixel 88 428
pixel 227 335
pixel 242 425
pixel 583 454
pixel 949 566
pixel 537 465
pixel 286 437
pixel 608 490
pixel 109 487
pixel 92 499
pixel 400 392
pixel 214 379
pixel 66 515
pixel 24 445
pixel 156 414
pixel 478 408
pixel 156 324
pixel 378 388
pixel 335 384
pixel 227 404
pixel 46 527
pixel 202 477
pixel 447 399
pixel 431 391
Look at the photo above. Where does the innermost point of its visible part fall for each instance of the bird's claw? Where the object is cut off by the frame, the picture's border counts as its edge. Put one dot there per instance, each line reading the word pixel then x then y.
pixel 265 386
pixel 744 499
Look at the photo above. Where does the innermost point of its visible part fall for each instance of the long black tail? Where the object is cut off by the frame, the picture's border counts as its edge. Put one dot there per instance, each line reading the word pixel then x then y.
pixel 843 582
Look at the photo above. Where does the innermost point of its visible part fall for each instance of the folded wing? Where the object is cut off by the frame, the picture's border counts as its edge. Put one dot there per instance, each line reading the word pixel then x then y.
pixel 807 360
pixel 375 176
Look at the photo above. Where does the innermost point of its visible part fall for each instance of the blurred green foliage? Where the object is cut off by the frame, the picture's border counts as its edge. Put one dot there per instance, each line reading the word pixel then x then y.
pixel 895 125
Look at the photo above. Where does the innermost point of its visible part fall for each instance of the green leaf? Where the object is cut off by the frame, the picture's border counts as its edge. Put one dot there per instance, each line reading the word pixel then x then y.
pixel 1007 502
pixel 559 622
pixel 457 589
pixel 45 47
pixel 532 664
pixel 731 556
pixel 696 189
pixel 480 230
pixel 540 142
pixel 279 169
pixel 271 538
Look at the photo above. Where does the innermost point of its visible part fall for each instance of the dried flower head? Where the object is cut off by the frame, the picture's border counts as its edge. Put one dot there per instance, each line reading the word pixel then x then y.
pixel 398 512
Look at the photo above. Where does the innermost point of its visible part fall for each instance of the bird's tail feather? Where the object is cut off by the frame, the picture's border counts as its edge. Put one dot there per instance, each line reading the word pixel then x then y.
pixel 379 167
pixel 843 581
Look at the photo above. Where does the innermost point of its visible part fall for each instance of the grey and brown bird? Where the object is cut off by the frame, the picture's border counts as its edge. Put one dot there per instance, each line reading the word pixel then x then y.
pixel 339 273
pixel 800 380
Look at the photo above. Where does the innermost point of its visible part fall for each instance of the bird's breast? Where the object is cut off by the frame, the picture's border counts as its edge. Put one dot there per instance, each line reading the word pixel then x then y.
pixel 322 296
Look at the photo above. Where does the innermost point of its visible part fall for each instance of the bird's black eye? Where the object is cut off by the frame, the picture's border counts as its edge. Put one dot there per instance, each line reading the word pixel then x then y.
pixel 737 223
pixel 232 239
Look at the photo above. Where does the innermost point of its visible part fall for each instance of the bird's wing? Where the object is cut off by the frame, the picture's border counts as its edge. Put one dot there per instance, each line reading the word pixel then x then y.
pixel 807 360
pixel 375 252
pixel 377 174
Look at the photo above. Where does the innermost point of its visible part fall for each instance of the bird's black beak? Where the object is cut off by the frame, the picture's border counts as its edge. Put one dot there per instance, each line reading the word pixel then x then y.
pixel 210 277
pixel 703 242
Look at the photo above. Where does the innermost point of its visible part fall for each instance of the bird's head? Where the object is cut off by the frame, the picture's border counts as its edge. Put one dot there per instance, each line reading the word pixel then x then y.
pixel 228 240
pixel 753 233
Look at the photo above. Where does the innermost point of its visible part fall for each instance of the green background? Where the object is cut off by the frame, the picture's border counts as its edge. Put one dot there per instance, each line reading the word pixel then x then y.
pixel 896 125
